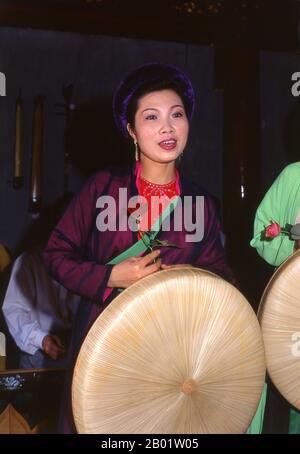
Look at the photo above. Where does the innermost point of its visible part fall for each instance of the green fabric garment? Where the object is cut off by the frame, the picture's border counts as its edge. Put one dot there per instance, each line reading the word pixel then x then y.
pixel 142 245
pixel 294 423
pixel 281 204
pixel 256 425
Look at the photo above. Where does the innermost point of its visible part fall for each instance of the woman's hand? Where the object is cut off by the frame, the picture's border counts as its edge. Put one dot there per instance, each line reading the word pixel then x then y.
pixel 131 270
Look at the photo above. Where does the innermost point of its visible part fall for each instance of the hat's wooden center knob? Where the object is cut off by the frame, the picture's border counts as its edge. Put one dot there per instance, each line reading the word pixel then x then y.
pixel 188 386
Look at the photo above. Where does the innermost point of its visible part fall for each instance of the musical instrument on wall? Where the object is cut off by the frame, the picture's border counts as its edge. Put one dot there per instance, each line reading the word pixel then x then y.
pixel 17 181
pixel 35 202
pixel 65 109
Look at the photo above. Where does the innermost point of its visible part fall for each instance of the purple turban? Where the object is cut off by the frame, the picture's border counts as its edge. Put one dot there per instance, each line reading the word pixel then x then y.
pixel 144 76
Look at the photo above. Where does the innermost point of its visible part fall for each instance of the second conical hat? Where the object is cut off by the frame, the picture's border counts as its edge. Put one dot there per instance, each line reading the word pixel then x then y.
pixel 279 315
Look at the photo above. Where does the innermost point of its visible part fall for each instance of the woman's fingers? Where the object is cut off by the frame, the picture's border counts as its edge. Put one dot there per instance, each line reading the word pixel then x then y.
pixel 165 267
pixel 152 268
pixel 144 261
pixel 131 270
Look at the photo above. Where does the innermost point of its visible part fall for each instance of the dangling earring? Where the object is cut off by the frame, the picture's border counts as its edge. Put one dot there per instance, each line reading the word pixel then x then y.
pixel 136 150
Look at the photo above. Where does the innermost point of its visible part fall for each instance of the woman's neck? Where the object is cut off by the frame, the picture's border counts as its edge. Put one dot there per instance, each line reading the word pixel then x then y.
pixel 159 173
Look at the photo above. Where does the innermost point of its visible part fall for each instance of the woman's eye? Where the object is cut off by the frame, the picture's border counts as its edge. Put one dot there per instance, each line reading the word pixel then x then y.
pixel 177 114
pixel 151 117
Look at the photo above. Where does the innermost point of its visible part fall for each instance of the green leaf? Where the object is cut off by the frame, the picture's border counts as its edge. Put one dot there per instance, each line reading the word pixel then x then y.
pixel 151 242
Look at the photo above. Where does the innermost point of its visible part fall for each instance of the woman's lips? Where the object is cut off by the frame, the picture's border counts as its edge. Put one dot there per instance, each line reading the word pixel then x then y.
pixel 168 144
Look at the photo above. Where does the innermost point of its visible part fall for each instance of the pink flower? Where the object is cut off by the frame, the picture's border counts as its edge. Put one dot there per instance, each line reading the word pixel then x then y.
pixel 272 230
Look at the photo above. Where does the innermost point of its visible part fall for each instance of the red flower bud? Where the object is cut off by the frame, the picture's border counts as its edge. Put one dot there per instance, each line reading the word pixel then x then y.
pixel 272 230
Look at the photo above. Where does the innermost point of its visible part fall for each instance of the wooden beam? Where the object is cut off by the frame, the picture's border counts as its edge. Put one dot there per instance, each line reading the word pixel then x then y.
pixel 276 32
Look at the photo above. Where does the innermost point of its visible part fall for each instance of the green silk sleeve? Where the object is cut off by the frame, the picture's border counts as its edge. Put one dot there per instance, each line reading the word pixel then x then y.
pixel 280 204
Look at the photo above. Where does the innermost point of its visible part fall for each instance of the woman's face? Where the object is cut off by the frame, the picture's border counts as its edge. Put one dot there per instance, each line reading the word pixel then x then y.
pixel 161 126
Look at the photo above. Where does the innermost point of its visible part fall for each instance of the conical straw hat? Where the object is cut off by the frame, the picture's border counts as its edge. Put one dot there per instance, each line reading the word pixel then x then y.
pixel 279 315
pixel 179 351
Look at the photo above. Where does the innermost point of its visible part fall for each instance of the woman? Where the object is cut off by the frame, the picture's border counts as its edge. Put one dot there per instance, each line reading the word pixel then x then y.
pixel 280 205
pixel 153 106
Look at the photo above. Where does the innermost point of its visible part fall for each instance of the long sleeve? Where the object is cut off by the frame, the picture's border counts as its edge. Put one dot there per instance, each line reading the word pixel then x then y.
pixel 212 253
pixel 280 204
pixel 18 307
pixel 66 255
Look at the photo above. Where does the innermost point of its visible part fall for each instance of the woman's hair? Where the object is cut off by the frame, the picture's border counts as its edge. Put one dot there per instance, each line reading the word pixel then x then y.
pixel 146 79
pixel 150 87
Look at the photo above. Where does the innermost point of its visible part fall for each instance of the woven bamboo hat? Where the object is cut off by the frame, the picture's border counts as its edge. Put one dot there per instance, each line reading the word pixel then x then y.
pixel 279 315
pixel 180 351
